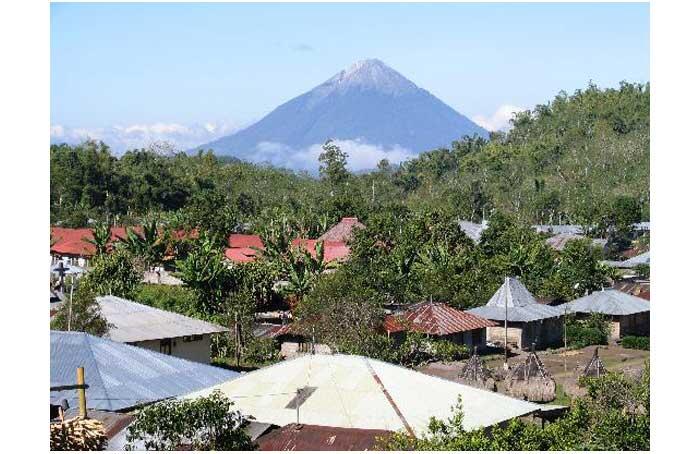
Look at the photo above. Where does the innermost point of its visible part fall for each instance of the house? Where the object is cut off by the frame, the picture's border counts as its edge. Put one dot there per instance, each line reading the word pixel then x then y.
pixel 635 287
pixel 309 437
pixel 628 314
pixel 333 251
pixel 120 376
pixel 473 230
pixel 355 392
pixel 528 321
pixel 556 229
pixel 343 231
pixel 440 321
pixel 158 330
pixel 558 241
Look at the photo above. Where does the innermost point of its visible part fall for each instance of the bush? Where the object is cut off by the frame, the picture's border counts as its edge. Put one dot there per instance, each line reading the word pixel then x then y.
pixel 419 348
pixel 593 330
pixel 205 423
pixel 173 298
pixel 260 350
pixel 636 342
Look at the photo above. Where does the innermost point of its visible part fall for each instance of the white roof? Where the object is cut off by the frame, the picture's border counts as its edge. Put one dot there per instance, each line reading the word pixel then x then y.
pixel 473 230
pixel 609 302
pixel 358 392
pixel 134 322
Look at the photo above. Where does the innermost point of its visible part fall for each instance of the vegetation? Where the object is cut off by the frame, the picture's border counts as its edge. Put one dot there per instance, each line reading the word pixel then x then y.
pixel 201 424
pixel 636 342
pixel 592 330
pixel 613 416
pixel 82 314
pixel 112 274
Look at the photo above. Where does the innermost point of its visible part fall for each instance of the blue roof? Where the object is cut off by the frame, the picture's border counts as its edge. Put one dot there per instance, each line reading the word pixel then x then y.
pixel 122 376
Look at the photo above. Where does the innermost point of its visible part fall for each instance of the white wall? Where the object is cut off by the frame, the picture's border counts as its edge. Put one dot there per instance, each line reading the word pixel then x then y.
pixel 199 351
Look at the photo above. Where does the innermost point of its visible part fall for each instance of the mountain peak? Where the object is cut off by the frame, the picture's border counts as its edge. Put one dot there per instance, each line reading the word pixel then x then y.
pixel 369 74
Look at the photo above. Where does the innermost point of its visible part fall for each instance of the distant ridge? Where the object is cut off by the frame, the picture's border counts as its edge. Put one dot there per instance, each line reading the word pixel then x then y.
pixel 368 102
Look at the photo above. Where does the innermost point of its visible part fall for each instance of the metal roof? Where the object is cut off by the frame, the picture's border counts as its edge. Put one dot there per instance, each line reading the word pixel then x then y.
pixel 559 240
pixel 357 392
pixel 609 302
pixel 558 228
pixel 308 437
pixel 437 319
pixel 473 230
pixel 641 259
pixel 522 306
pixel 122 376
pixel 135 322
pixel 642 226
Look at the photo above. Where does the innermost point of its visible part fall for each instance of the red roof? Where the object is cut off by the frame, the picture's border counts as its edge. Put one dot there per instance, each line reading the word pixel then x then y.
pixel 332 250
pixel 435 318
pixel 76 242
pixel 240 254
pixel 307 437
pixel 239 240
pixel 342 231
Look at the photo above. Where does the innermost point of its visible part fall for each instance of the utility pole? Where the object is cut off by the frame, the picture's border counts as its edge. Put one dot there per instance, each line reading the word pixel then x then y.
pixel 566 308
pixel 298 398
pixel 505 341
pixel 82 404
pixel 70 303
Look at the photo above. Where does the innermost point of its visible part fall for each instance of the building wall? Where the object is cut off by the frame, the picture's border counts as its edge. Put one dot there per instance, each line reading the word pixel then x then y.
pixel 632 325
pixel 544 333
pixel 194 350
pixel 497 333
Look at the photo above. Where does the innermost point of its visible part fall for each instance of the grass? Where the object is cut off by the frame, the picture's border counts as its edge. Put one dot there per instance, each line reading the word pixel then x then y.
pixel 561 397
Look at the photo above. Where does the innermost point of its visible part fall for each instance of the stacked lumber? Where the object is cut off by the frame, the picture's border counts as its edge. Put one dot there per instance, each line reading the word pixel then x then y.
pixel 78 434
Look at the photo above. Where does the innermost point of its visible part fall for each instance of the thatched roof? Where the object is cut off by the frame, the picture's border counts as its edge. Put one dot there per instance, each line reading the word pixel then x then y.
pixel 595 367
pixel 475 373
pixel 530 380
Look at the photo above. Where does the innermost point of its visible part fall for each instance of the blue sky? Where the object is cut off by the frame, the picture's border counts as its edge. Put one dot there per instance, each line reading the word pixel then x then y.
pixel 226 65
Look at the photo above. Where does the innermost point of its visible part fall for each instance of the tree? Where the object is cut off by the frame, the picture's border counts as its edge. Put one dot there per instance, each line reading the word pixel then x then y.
pixel 82 314
pixel 149 246
pixel 201 424
pixel 113 274
pixel 333 164
pixel 577 271
pixel 101 237
pixel 205 271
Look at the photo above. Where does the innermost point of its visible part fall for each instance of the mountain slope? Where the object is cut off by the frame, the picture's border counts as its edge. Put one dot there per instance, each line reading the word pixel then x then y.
pixel 369 102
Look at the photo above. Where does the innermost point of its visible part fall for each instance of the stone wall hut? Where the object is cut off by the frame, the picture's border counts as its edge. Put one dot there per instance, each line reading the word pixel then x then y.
pixel 628 314
pixel 528 321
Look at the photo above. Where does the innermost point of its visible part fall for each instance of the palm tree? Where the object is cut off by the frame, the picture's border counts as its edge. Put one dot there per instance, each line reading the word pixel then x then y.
pixel 149 245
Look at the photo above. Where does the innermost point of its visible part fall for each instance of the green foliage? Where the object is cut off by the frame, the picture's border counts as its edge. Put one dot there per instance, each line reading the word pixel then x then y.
pixel 149 246
pixel 577 271
pixel 636 342
pixel 613 416
pixel 173 298
pixel 113 274
pixel 418 348
pixel 333 164
pixel 101 236
pixel 594 329
pixel 204 423
pixel 260 350
pixel 83 314
pixel 643 270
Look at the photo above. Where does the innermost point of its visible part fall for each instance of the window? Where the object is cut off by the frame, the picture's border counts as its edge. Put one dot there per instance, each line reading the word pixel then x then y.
pixel 192 338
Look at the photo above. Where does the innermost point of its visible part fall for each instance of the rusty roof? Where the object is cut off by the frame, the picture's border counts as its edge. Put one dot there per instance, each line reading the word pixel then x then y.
pixel 342 231
pixel 308 437
pixel 435 318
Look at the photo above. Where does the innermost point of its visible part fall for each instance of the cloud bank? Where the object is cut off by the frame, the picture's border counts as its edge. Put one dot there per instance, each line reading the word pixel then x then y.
pixel 121 138
pixel 499 120
pixel 361 155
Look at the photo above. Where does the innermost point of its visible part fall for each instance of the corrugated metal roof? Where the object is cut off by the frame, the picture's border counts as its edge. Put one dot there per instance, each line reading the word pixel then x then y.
pixel 135 322
pixel 609 302
pixel 522 306
pixel 473 230
pixel 641 259
pixel 437 319
pixel 348 395
pixel 309 437
pixel 122 376
pixel 642 226
pixel 559 241
pixel 558 228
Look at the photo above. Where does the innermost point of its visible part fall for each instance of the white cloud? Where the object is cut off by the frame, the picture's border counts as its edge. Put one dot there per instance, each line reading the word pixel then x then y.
pixel 499 120
pixel 361 155
pixel 121 138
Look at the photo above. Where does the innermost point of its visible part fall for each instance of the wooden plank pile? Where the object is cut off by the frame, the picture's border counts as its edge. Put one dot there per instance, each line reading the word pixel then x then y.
pixel 78 434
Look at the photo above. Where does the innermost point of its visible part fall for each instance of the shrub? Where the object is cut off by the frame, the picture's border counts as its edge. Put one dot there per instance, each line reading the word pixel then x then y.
pixel 204 423
pixel 260 350
pixel 419 348
pixel 636 342
pixel 173 298
pixel 593 330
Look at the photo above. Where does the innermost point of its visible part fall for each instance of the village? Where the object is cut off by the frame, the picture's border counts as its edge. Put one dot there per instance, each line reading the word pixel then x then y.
pixel 512 357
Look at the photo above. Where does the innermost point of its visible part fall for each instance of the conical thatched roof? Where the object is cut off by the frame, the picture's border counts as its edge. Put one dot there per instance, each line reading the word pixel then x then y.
pixel 475 373
pixel 522 306
pixel 595 367
pixel 530 380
